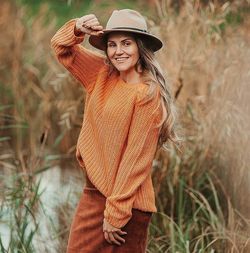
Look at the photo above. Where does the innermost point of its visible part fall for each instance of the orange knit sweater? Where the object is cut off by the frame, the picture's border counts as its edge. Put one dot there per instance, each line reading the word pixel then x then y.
pixel 118 139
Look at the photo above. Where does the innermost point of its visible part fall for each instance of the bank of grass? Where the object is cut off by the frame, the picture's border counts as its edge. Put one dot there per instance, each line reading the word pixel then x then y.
pixel 193 209
pixel 18 213
pixel 202 194
pixel 42 105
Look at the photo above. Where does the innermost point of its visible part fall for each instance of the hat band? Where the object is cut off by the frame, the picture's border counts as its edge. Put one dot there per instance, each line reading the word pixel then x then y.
pixel 131 28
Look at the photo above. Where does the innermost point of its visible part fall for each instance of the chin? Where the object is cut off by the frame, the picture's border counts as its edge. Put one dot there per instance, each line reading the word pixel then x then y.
pixel 122 68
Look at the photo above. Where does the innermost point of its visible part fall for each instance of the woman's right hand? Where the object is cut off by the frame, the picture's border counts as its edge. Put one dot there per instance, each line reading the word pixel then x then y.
pixel 88 24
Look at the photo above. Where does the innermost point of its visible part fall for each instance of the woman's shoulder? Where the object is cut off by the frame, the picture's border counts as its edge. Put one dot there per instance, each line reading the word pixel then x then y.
pixel 147 93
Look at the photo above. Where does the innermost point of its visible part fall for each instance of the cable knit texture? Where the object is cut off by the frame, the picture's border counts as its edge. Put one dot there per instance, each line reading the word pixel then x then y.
pixel 119 134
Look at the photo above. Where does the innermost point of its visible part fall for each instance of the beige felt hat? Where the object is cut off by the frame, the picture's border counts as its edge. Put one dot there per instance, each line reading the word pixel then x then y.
pixel 128 21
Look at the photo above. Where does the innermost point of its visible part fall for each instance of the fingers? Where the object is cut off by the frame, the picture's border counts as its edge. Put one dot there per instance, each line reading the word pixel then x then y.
pixel 121 232
pixel 106 236
pixel 92 22
pixel 88 17
pixel 113 237
pixel 97 27
pixel 118 238
pixel 96 33
pixel 89 21
pixel 89 24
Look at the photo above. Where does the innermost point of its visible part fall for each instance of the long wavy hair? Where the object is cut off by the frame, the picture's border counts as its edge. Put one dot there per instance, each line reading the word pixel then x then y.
pixel 153 76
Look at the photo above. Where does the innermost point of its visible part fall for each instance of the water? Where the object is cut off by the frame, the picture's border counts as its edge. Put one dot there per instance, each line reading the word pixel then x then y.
pixel 61 189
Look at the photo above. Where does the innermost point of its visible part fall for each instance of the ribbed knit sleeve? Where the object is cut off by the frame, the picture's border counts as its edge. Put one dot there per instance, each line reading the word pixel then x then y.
pixel 81 62
pixel 136 161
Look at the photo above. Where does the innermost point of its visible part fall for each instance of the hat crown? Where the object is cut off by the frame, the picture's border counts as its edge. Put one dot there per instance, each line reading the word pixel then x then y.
pixel 126 18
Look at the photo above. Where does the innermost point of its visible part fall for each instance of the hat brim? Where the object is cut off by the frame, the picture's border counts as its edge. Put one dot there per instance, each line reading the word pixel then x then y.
pixel 153 42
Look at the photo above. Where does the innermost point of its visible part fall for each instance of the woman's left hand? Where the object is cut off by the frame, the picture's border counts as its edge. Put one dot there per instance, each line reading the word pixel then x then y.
pixel 113 234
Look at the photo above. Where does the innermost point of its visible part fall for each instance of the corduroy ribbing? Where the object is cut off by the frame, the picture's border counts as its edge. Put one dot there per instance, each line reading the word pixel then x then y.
pixel 118 138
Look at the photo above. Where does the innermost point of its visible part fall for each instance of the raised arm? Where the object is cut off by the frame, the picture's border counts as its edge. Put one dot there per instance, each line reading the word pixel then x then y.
pixel 136 161
pixel 81 62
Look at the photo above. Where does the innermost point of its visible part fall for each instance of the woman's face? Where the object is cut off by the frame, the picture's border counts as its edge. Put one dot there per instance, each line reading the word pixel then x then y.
pixel 122 51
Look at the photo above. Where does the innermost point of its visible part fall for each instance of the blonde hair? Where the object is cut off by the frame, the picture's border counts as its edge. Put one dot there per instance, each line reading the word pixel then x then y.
pixel 152 75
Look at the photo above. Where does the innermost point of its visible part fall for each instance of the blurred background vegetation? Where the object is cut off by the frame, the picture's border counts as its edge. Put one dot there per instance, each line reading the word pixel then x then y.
pixel 202 194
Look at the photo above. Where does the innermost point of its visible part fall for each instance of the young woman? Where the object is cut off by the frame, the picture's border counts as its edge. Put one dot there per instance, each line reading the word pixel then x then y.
pixel 129 113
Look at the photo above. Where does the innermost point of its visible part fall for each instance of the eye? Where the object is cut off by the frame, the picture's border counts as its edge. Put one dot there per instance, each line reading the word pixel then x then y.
pixel 127 43
pixel 111 44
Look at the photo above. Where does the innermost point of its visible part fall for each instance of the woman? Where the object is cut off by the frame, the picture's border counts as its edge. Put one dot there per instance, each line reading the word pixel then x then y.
pixel 128 114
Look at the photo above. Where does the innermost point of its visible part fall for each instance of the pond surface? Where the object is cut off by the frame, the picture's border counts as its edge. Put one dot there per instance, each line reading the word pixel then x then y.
pixel 61 190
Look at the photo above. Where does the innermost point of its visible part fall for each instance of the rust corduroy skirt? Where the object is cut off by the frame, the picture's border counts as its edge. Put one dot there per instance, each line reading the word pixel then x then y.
pixel 86 235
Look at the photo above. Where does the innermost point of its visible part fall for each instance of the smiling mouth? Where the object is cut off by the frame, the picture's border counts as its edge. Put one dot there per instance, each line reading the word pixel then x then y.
pixel 121 59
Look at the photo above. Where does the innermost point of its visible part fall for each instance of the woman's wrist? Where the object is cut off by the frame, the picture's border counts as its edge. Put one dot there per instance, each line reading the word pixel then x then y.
pixel 78 32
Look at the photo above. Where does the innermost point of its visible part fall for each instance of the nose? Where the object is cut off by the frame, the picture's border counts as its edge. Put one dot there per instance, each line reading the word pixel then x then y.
pixel 119 50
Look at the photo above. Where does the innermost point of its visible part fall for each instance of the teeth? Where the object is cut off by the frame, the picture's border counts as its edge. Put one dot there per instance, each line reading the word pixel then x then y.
pixel 121 59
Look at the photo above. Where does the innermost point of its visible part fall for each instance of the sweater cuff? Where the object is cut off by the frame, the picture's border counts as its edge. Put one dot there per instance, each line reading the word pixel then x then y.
pixel 75 38
pixel 117 217
pixel 67 36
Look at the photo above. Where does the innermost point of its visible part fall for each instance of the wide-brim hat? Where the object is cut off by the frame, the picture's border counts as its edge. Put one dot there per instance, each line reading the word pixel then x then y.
pixel 128 21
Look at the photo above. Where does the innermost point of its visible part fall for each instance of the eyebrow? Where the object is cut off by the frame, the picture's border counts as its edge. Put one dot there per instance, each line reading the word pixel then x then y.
pixel 121 40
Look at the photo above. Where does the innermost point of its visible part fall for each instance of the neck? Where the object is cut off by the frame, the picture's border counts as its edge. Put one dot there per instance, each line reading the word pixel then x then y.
pixel 130 76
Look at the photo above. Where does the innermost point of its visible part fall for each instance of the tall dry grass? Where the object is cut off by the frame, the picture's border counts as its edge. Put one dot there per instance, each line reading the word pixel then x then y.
pixel 212 65
pixel 40 116
pixel 207 60
pixel 201 194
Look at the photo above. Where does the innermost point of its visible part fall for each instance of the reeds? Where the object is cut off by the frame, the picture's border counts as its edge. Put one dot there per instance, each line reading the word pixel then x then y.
pixel 202 194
